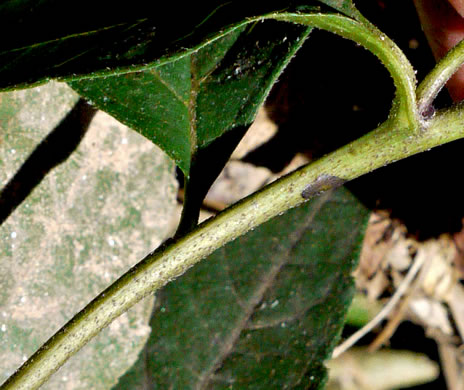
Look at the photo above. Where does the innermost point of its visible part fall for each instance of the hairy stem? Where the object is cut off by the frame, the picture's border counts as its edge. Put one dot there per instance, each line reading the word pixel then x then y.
pixel 367 35
pixel 384 145
pixel 437 78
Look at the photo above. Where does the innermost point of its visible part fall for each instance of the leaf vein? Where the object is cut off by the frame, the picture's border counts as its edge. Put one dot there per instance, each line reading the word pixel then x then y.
pixel 265 284
pixel 169 87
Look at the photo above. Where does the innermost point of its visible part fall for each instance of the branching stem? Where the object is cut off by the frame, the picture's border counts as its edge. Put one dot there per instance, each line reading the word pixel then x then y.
pixel 397 138
pixel 381 147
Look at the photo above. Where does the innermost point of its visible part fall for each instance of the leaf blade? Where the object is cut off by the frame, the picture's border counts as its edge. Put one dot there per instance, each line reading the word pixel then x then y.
pixel 262 312
pixel 47 41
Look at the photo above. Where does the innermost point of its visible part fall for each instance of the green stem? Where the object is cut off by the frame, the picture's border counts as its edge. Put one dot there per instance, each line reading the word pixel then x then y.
pixel 437 78
pixel 367 35
pixel 384 145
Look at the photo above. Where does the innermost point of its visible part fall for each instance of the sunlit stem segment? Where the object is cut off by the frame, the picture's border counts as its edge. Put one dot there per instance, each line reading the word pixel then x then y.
pixel 437 78
pixel 384 145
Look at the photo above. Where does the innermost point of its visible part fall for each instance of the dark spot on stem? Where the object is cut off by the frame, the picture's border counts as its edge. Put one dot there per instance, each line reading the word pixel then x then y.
pixel 428 112
pixel 321 184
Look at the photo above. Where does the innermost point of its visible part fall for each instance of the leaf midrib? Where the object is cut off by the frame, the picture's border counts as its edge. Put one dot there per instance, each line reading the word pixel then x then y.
pixel 192 107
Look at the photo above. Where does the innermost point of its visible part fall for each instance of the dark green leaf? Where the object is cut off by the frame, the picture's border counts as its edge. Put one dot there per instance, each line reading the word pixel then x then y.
pixel 54 39
pixel 185 105
pixel 264 312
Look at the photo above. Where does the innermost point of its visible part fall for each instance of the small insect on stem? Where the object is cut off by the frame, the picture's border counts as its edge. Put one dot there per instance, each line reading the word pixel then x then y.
pixel 321 184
